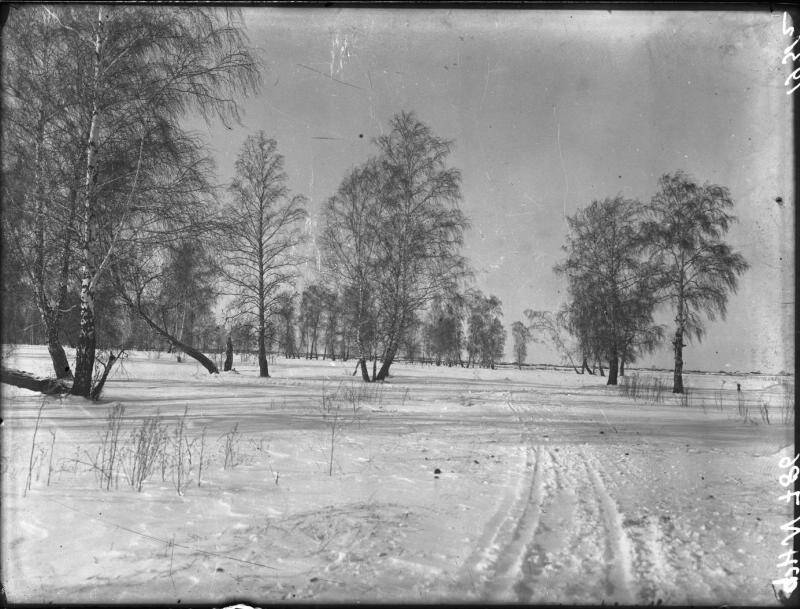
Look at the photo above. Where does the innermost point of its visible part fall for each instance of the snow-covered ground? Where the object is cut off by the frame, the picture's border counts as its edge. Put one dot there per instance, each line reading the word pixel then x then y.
pixel 552 488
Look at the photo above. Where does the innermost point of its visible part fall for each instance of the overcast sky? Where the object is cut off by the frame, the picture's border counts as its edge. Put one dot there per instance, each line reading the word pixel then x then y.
pixel 548 111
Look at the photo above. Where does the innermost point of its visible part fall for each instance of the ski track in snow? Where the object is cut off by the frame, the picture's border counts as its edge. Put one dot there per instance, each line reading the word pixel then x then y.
pixel 560 533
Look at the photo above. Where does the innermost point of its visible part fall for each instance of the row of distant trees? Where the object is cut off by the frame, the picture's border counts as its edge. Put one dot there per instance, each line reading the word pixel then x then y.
pixel 626 260
pixel 314 323
pixel 457 329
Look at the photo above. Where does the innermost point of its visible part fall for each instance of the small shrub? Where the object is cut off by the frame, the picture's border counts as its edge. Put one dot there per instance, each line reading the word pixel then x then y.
pixel 52 450
pixel 647 389
pixel 232 447
pixel 685 397
pixel 787 402
pixel 105 461
pixel 181 461
pixel 742 408
pixel 763 410
pixel 147 443
pixel 33 450
pixel 718 399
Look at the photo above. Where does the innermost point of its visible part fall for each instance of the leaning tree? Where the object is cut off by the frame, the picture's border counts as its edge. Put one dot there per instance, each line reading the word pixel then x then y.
pixel 685 227
pixel 153 288
pixel 553 328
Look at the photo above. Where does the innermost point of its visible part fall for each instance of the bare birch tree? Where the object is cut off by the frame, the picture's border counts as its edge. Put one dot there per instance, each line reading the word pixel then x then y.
pixel 265 231
pixel 41 166
pixel 552 327
pixel 349 244
pixel 421 226
pixel 392 234
pixel 135 71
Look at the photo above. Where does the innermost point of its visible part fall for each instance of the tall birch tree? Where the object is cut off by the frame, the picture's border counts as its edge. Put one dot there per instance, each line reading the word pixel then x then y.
pixel 130 74
pixel 685 229
pixel 265 230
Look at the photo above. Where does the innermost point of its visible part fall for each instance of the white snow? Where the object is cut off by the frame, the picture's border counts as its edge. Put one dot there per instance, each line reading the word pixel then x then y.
pixel 553 488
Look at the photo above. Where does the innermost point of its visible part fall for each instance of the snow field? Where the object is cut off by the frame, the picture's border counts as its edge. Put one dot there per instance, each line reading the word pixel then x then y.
pixel 553 488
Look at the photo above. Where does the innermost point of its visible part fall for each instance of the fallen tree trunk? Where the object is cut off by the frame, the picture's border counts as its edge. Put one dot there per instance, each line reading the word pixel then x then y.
pixel 26 380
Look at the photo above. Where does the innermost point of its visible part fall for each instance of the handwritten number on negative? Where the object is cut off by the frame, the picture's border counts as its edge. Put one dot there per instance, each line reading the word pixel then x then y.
pixel 787 54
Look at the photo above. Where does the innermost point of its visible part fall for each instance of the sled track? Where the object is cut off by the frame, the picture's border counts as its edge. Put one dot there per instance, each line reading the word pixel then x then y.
pixel 509 566
pixel 558 534
pixel 619 578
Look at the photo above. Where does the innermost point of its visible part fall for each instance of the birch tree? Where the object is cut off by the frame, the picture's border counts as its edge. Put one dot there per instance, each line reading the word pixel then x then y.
pixel 133 72
pixel 149 66
pixel 285 311
pixel 421 229
pixel 444 329
pixel 521 336
pixel 349 244
pixel 486 336
pixel 553 328
pixel 611 285
pixel 41 166
pixel 685 229
pixel 265 229
pixel 391 236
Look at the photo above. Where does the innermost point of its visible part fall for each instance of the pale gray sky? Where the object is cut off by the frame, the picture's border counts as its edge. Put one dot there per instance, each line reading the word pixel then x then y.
pixel 549 110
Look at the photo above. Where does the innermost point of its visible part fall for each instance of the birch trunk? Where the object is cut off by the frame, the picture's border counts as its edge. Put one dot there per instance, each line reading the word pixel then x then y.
pixel 677 344
pixel 228 354
pixel 85 353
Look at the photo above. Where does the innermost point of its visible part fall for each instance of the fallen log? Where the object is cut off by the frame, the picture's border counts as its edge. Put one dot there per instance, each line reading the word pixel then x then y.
pixel 26 380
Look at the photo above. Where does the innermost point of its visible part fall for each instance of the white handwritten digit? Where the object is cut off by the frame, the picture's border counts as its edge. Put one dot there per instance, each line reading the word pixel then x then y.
pixel 790 30
pixel 787 583
pixel 788 497
pixel 787 52
pixel 788 559
pixel 790 528
pixel 793 76
pixel 787 479
pixel 786 461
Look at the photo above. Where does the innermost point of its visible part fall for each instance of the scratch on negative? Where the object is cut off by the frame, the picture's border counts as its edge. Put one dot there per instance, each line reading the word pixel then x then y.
pixel 561 157
pixel 341 82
